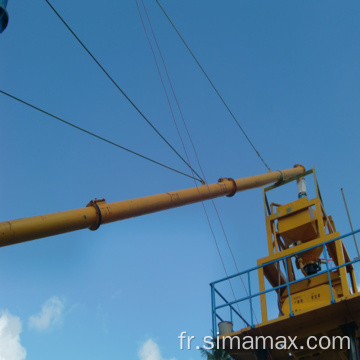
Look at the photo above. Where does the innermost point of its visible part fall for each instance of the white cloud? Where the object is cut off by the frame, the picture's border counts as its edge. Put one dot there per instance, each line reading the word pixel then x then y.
pixel 50 315
pixel 10 329
pixel 150 351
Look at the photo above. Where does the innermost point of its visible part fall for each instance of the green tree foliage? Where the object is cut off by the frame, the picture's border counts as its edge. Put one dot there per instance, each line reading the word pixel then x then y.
pixel 215 354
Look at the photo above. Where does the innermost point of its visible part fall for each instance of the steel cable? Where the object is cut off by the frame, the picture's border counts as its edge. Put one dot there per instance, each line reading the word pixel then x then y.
pixel 213 86
pixel 96 136
pixel 118 87
pixel 188 133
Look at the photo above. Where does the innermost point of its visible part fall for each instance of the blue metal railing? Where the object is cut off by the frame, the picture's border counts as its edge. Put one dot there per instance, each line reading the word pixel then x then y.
pixel 250 296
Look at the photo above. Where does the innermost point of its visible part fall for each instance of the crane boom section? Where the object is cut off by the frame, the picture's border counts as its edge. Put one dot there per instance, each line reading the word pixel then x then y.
pixel 99 212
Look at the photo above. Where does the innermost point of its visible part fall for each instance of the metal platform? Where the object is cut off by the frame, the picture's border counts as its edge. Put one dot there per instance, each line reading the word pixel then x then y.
pixel 319 322
pixel 338 316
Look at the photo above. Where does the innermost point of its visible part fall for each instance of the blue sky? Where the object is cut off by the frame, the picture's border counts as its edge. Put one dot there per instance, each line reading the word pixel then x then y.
pixel 289 71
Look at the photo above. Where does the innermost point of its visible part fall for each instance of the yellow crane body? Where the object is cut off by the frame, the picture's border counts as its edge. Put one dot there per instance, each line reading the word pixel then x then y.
pixel 316 297
pixel 99 212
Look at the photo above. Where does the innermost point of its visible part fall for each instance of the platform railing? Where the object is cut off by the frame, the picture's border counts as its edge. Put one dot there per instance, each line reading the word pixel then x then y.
pixel 248 320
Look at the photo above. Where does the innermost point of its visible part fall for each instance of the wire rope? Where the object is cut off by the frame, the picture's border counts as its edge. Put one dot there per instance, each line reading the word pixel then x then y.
pixel 116 85
pixel 188 133
pixel 96 136
pixel 198 161
pixel 213 86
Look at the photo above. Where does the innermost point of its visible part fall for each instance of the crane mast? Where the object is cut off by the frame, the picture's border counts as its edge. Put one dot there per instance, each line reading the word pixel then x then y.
pixel 98 212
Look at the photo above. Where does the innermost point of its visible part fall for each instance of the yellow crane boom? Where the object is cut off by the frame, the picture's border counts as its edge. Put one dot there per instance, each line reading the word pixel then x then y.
pixel 98 212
